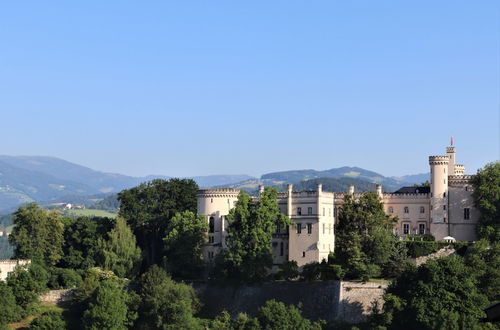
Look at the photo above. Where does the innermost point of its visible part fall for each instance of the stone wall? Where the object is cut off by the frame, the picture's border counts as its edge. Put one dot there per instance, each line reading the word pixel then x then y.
pixel 356 300
pixel 444 252
pixel 57 296
pixel 346 301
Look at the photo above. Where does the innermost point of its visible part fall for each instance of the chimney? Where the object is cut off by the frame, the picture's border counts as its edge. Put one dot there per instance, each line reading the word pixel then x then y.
pixel 379 190
pixel 319 188
pixel 261 189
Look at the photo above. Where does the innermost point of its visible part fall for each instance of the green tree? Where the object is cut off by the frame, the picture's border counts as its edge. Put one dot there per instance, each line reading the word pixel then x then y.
pixel 483 258
pixel 37 235
pixel 439 292
pixel 51 320
pixel 186 234
pixel 10 311
pixel 80 241
pixel 166 304
pixel 251 224
pixel 27 283
pixel 149 207
pixel 487 199
pixel 119 252
pixel 107 308
pixel 276 315
pixel 364 242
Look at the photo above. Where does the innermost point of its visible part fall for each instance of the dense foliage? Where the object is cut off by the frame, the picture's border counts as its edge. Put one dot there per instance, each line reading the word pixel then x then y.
pixel 37 235
pixel 251 224
pixel 445 293
pixel 149 207
pixel 185 236
pixel 487 198
pixel 365 246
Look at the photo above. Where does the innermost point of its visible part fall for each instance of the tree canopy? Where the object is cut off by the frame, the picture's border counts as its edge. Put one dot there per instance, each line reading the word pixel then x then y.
pixel 37 235
pixel 149 207
pixel 487 199
pixel 251 225
pixel 185 236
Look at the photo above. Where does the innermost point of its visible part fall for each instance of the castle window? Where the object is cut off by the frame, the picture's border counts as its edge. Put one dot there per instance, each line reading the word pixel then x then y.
pixel 467 213
pixel 299 228
pixel 303 254
pixel 444 219
pixel 324 212
pixel 391 209
pixel 211 200
pixel 444 207
pixel 299 211
pixel 444 194
pixel 281 249
pixel 422 209
pixel 309 228
pixel 406 209
pixel 406 228
pixel 323 228
pixel 211 225
pixel 421 228
pixel 210 239
pixel 309 211
pixel 278 228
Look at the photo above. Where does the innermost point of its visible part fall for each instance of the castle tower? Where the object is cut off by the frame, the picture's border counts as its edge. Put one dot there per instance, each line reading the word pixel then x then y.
pixel 215 204
pixel 450 151
pixel 439 188
pixel 379 191
pixel 351 189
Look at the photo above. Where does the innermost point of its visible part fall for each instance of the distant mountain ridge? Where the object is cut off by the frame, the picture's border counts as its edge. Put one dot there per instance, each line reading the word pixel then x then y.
pixel 45 179
pixel 298 176
pixel 40 178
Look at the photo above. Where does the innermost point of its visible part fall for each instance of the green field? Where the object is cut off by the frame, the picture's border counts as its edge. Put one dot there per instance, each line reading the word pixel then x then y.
pixel 90 213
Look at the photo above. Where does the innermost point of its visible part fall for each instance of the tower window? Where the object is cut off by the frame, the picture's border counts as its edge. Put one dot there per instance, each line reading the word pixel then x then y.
pixel 303 254
pixel 406 209
pixel 299 228
pixel 299 211
pixel 323 228
pixel 391 209
pixel 309 228
pixel 467 213
pixel 324 212
pixel 466 188
pixel 444 194
pixel 422 209
pixel 309 211
pixel 444 207
pixel 211 200
pixel 211 225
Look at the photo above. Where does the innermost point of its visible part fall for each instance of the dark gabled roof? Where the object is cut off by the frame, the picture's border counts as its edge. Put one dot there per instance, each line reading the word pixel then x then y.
pixel 413 190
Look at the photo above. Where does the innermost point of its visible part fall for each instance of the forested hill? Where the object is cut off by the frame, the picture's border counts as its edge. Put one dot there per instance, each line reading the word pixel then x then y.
pixel 334 185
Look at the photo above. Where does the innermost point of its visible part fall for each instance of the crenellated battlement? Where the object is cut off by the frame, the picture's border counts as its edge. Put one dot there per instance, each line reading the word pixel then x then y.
pixel 439 160
pixel 419 196
pixel 454 180
pixel 218 192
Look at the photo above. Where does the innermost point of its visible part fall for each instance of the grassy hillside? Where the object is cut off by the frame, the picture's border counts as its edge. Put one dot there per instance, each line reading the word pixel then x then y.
pixel 89 213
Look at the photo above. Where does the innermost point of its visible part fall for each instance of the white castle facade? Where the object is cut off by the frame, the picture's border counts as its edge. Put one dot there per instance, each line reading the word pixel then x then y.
pixel 443 210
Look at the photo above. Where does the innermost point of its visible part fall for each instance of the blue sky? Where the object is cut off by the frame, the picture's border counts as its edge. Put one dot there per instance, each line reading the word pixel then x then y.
pixel 209 87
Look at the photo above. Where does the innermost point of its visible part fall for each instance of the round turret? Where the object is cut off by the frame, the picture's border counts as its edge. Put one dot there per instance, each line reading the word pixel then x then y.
pixel 439 187
pixel 214 200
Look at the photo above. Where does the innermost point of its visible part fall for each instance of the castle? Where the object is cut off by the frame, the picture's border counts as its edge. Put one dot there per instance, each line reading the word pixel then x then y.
pixel 444 210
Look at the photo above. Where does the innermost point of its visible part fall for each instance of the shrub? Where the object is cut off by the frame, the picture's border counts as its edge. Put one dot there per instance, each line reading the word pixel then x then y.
pixel 288 271
pixel 311 271
pixel 50 320
pixel 64 278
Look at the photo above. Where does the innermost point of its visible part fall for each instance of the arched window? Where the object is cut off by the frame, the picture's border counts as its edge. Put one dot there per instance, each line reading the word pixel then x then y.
pixel 211 225
pixel 422 209
pixel 391 209
pixel 407 210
